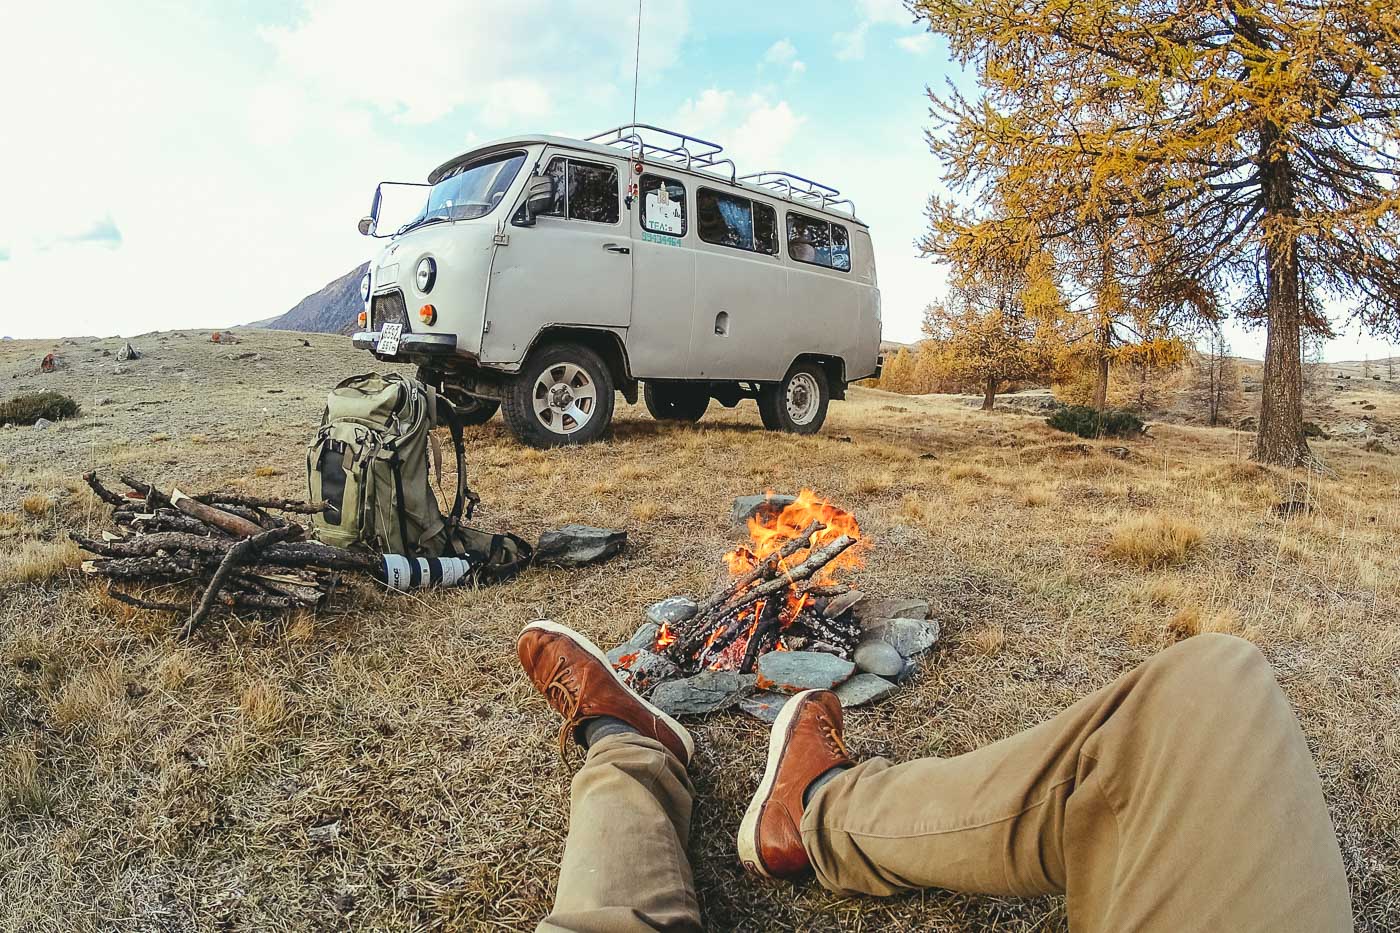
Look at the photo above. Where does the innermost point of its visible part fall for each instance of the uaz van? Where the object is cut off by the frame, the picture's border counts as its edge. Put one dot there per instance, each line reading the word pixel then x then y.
pixel 544 274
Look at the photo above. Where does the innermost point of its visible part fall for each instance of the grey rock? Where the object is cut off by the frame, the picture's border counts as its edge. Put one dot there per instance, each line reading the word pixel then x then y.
pixel 766 506
pixel 644 637
pixel 104 400
pixel 578 546
pixel 43 424
pixel 119 370
pixel 840 604
pixel 706 692
pixel 647 667
pixel 908 636
pixel 765 706
pixel 863 688
pixel 878 656
pixel 791 671
pixel 876 609
pixel 673 610
pixel 325 834
pixel 128 352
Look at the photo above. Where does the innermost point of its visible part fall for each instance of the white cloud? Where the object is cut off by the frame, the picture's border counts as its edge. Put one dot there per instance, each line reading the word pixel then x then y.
pixel 783 54
pixel 850 46
pixel 704 113
pixel 763 137
pixel 918 44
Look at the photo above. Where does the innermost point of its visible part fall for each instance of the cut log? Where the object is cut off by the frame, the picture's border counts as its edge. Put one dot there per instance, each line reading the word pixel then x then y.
pixel 235 525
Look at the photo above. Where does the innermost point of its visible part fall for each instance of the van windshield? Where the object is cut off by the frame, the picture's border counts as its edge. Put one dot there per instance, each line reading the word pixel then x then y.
pixel 471 190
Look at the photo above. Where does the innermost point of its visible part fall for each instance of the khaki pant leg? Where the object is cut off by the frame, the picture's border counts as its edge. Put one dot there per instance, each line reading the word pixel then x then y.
pixel 1180 797
pixel 625 865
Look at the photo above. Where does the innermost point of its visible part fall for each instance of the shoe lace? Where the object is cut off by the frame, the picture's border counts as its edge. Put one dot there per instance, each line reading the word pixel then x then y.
pixel 834 740
pixel 562 693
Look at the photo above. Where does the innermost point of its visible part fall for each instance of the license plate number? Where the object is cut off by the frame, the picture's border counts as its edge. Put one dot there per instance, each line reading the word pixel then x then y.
pixel 389 339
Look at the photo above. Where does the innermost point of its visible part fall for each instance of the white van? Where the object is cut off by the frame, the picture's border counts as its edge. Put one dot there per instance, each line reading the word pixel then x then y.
pixel 544 274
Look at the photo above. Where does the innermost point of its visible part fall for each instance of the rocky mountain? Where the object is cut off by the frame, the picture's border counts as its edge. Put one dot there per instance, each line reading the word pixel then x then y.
pixel 335 309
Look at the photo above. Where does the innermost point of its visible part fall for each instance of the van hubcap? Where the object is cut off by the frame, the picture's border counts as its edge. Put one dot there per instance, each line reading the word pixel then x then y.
pixel 565 398
pixel 802 398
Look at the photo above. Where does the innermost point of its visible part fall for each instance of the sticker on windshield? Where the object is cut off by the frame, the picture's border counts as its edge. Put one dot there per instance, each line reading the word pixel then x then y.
pixel 663 214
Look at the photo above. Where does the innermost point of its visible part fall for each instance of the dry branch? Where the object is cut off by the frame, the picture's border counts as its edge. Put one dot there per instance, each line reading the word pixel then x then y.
pixel 238 553
pixel 236 525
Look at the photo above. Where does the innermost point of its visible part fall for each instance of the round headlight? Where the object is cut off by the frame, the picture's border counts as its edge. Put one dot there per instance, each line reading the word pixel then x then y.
pixel 426 274
pixel 364 288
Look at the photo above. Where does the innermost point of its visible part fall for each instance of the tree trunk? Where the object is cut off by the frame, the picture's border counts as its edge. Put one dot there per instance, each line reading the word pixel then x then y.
pixel 989 395
pixel 1280 438
pixel 1101 382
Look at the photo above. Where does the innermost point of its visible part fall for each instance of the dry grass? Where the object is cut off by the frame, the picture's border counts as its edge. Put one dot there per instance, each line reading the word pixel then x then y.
pixel 37 561
pixel 1153 540
pixel 36 505
pixel 263 472
pixel 146 783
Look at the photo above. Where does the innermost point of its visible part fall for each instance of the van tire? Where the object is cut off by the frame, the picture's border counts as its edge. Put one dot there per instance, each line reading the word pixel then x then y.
pixel 798 404
pixel 675 402
pixel 554 379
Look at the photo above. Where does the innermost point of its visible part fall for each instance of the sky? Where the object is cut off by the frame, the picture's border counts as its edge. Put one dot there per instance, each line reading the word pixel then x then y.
pixel 200 164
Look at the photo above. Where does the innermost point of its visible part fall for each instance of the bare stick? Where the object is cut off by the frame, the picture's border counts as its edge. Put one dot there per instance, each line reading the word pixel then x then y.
pixel 236 554
pixel 762 570
pixel 235 525
pixel 255 502
pixel 140 603
pixel 103 493
pixel 814 562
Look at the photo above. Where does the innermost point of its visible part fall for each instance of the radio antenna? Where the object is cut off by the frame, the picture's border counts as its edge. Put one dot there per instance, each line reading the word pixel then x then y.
pixel 637 62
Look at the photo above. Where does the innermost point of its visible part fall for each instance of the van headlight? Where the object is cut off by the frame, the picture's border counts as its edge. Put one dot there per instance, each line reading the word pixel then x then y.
pixel 364 288
pixel 426 274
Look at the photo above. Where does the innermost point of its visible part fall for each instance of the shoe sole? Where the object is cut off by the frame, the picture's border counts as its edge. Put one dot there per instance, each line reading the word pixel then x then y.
pixel 548 625
pixel 777 744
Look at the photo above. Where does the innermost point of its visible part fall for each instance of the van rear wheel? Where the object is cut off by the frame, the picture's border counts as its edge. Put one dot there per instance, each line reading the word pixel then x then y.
pixel 669 402
pixel 562 395
pixel 798 404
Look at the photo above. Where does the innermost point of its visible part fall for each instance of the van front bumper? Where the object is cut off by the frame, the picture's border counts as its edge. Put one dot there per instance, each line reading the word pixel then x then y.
pixel 409 344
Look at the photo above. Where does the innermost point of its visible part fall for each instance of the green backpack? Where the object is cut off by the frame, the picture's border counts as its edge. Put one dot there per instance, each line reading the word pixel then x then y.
pixel 369 463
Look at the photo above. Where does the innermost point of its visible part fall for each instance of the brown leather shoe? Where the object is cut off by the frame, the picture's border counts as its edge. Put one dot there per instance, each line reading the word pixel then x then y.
pixel 805 743
pixel 577 680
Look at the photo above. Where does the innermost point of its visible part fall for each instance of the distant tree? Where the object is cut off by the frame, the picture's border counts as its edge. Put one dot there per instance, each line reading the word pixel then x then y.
pixel 1314 369
pixel 1215 383
pixel 1390 366
pixel 988 336
pixel 898 371
pixel 1253 147
pixel 1146 367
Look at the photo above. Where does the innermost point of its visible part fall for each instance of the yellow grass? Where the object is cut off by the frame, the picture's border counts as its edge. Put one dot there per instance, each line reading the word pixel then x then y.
pixel 36 505
pixel 172 784
pixel 1153 540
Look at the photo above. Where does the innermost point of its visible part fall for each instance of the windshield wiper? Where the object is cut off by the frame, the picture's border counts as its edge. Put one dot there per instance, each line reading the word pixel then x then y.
pixel 415 224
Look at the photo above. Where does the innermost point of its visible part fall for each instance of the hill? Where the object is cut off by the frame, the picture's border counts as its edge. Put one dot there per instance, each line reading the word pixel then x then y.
pixel 332 310
pixel 384 764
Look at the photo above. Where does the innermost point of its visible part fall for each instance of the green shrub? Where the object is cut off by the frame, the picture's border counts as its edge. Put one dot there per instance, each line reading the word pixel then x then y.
pixel 27 409
pixel 1088 422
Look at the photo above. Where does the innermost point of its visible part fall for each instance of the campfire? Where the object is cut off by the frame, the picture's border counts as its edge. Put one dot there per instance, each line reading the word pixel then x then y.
pixel 780 586
pixel 782 619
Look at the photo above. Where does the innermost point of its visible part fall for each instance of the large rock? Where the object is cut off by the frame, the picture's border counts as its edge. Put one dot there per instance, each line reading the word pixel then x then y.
pixel 673 610
pixel 766 705
pixel 862 689
pixel 128 352
pixel 878 656
pixel 874 609
pixel 644 668
pixel 578 545
pixel 644 637
pixel 908 636
pixel 706 692
pixel 42 424
pixel 839 604
pixel 761 507
pixel 791 671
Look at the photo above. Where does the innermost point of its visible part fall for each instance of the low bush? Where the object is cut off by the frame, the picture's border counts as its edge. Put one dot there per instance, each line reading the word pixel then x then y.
pixel 27 409
pixel 1089 422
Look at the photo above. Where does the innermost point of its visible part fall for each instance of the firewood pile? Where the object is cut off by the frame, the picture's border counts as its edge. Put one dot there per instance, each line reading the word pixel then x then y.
pixel 222 550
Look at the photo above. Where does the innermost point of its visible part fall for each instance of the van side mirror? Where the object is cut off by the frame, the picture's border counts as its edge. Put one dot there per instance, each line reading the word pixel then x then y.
pixel 539 197
pixel 366 226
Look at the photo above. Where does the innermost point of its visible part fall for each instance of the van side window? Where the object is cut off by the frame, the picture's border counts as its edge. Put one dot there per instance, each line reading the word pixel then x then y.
pixel 736 222
pixel 818 242
pixel 663 205
pixel 585 190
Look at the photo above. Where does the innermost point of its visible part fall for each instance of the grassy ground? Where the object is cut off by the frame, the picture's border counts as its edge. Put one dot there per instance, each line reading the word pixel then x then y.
pixel 147 784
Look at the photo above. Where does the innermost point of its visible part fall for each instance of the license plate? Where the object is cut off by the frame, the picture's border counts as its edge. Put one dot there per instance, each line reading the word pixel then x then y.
pixel 389 339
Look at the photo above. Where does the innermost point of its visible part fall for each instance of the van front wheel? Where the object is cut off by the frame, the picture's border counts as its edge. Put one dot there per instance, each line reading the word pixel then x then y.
pixel 675 402
pixel 562 395
pixel 798 404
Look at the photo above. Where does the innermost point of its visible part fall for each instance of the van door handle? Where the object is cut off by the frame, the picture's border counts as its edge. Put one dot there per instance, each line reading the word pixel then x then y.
pixel 614 248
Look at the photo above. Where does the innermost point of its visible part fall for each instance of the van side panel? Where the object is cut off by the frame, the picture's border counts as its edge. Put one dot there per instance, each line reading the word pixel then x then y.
pixel 663 302
pixel 865 354
pixel 743 324
pixel 826 306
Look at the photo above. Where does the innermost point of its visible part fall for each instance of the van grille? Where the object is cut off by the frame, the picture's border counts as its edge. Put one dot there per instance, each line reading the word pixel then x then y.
pixel 389 308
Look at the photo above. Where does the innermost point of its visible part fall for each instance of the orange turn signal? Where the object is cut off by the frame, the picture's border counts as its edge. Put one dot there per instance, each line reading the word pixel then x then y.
pixel 364 318
pixel 428 314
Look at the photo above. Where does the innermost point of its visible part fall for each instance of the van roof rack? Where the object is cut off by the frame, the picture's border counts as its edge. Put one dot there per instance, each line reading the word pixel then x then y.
pixel 696 153
pixel 797 188
pixel 681 148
